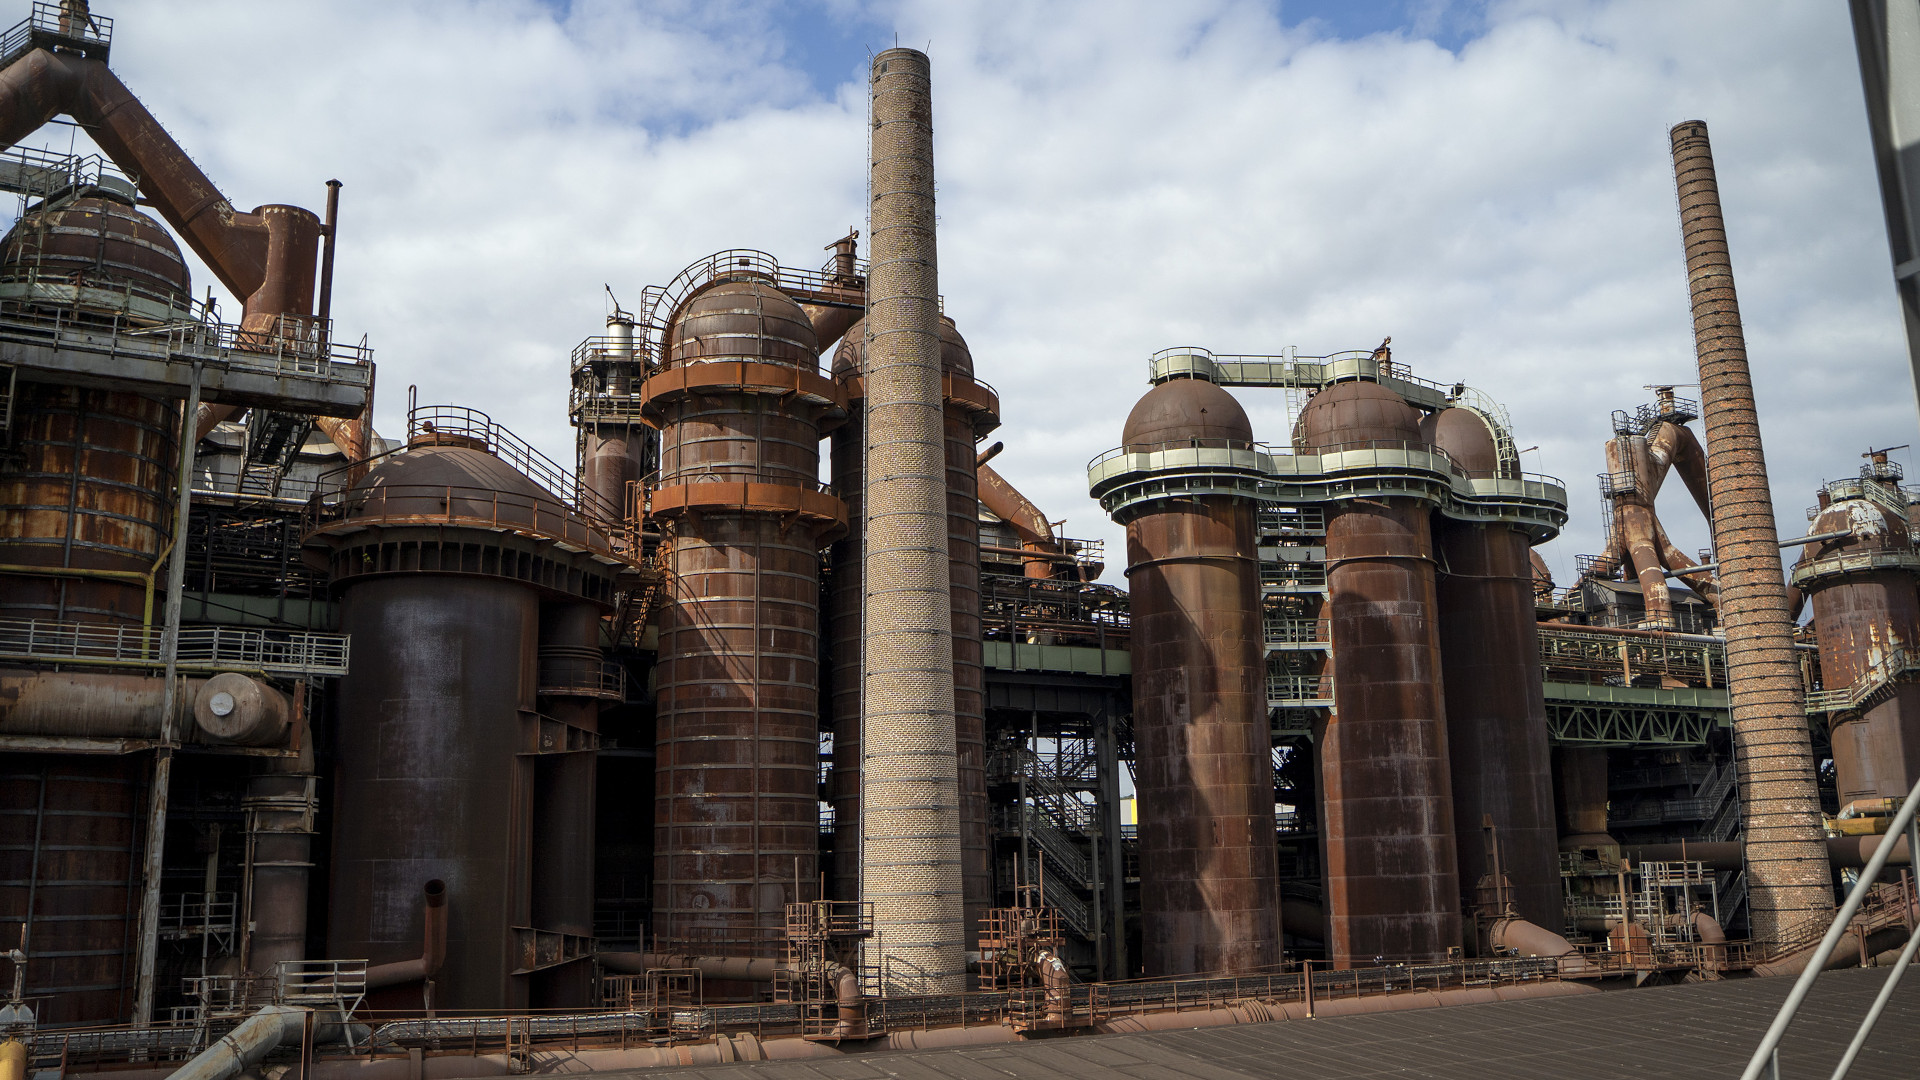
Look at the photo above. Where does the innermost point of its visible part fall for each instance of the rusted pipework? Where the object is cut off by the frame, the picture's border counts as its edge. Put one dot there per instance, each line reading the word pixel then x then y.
pixel 1788 874
pixel 1056 979
pixel 433 946
pixel 1209 883
pixel 1519 937
pixel 850 1002
pixel 229 709
pixel 910 809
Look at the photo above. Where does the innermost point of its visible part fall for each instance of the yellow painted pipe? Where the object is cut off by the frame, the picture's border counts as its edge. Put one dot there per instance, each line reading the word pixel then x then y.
pixel 13 1060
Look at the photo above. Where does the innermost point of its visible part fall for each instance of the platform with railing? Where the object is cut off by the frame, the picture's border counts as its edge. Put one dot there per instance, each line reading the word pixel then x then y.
pixel 54 25
pixel 284 653
pixel 295 364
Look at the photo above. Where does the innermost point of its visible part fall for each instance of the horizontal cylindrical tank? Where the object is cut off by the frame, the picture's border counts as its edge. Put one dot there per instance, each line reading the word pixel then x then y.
pixel 1387 826
pixel 1495 702
pixel 230 708
pixel 1209 884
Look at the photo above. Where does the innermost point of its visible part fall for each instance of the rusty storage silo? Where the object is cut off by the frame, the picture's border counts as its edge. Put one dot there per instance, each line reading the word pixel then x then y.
pixel 1209 884
pixel 447 558
pixel 1387 833
pixel 971 410
pixel 87 489
pixel 88 486
pixel 1495 702
pixel 1866 613
pixel 741 407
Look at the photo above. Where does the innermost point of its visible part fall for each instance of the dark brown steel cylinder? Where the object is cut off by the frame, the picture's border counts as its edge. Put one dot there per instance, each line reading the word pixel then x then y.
pixel 1209 884
pixel 565 790
pixel 70 829
pixel 1387 828
pixel 736 808
pixel 1788 878
pixel 280 828
pixel 1862 617
pixel 433 781
pixel 969 665
pixel 848 456
pixel 1581 794
pixel 1496 704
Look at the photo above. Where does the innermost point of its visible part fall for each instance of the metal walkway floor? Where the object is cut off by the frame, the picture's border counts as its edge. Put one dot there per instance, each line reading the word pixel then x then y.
pixel 1701 1031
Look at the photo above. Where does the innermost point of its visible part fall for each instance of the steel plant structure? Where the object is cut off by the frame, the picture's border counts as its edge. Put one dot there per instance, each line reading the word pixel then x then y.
pixel 677 754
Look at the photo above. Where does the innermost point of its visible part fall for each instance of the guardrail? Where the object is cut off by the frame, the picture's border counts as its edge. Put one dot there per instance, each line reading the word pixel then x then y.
pixel 298 654
pixel 52 23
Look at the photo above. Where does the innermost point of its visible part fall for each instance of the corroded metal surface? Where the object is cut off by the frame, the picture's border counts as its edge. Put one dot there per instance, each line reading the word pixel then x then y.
pixel 1862 618
pixel 69 839
pixel 736 813
pixel 910 816
pixel 1789 880
pixel 1495 703
pixel 1387 827
pixel 1208 881
pixel 565 792
pixel 432 780
pixel 89 485
pixel 90 490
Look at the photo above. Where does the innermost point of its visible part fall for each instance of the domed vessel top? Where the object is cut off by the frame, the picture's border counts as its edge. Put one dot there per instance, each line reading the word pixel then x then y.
pixel 1355 415
pixel 1185 410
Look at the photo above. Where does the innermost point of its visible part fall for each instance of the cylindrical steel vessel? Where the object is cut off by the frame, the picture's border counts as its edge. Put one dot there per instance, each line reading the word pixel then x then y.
pixel 844 597
pixel 1495 703
pixel 1209 886
pixel 1863 617
pixel 1789 880
pixel 611 449
pixel 431 782
pixel 736 810
pixel 88 486
pixel 565 792
pixel 70 838
pixel 1387 830
pixel 436 743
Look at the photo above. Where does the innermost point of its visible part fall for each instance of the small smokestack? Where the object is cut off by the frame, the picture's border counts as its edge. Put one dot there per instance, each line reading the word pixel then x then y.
pixel 910 798
pixel 1787 874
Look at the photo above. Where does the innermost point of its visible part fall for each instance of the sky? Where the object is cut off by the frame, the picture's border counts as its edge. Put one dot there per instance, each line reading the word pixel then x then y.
pixel 1489 183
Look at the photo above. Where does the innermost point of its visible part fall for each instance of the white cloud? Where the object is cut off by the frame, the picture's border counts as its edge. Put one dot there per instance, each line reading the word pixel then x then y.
pixel 1115 177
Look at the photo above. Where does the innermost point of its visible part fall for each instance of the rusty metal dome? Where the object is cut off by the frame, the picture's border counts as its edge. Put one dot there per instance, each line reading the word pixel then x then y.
pixel 461 484
pixel 97 239
pixel 743 318
pixel 1182 410
pixel 1355 414
pixel 1465 437
pixel 851 356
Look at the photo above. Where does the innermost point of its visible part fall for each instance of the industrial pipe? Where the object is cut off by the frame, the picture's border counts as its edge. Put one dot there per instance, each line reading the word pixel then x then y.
pixel 257 1036
pixel 1788 874
pixel 13 1060
pixel 229 708
pixel 847 995
pixel 1844 852
pixel 433 947
pixel 1522 938
pixel 1057 980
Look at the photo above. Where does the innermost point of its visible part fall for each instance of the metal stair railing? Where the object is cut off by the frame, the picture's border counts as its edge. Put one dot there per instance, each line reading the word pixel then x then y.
pixel 1073 910
pixel 1061 850
pixel 1766 1057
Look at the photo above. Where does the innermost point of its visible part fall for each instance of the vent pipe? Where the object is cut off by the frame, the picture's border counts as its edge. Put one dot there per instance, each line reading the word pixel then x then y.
pixel 910 801
pixel 1788 880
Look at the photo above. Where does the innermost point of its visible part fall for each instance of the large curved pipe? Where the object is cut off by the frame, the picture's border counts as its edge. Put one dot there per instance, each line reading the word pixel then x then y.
pixel 433 946
pixel 1057 980
pixel 1007 504
pixel 1523 938
pixel 257 1036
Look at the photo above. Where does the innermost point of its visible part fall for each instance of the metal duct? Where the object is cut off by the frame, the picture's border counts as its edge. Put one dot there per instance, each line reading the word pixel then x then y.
pixel 1787 873
pixel 910 807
